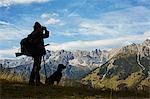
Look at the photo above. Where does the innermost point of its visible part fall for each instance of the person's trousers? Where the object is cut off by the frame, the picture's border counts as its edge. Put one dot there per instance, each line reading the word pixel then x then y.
pixel 35 75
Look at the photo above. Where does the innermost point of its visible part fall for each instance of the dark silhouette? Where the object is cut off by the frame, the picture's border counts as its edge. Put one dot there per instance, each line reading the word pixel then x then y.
pixel 56 76
pixel 36 45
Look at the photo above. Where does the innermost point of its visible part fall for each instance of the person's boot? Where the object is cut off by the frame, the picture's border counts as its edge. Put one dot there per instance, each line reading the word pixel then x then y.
pixel 32 76
pixel 31 83
pixel 39 84
pixel 37 80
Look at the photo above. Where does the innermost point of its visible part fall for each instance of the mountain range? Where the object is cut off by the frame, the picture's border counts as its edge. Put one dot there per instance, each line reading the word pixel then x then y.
pixel 77 63
pixel 120 68
pixel 127 67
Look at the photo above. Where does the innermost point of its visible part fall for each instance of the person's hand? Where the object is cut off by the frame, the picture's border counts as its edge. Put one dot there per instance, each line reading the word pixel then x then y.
pixel 43 27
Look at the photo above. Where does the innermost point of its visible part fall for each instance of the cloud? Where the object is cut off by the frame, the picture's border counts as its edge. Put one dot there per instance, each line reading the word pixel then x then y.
pixel 4 23
pixel 144 1
pixel 48 15
pixel 116 23
pixel 121 26
pixel 9 31
pixel 12 2
pixel 68 33
pixel 50 18
pixel 45 16
pixel 147 34
pixel 8 52
pixel 133 20
pixel 102 44
pixel 78 6
pixel 52 21
pixel 106 44
pixel 96 28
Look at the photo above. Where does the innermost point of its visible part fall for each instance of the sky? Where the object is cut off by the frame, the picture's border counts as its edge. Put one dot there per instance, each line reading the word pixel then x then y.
pixel 74 24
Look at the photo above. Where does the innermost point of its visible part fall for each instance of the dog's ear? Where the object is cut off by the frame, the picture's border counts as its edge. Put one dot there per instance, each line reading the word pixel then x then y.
pixel 64 67
pixel 61 66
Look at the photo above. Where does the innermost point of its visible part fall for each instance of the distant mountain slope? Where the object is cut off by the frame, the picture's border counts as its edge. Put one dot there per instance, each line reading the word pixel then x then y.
pixel 129 67
pixel 78 63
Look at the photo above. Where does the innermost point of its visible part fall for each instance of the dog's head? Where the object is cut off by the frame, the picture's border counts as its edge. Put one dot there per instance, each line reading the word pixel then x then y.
pixel 61 67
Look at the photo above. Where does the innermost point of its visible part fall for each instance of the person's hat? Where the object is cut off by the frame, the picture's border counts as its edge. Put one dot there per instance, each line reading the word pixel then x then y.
pixel 37 24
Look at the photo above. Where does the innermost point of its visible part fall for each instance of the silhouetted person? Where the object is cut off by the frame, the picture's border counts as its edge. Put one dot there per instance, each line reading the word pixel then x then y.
pixel 38 50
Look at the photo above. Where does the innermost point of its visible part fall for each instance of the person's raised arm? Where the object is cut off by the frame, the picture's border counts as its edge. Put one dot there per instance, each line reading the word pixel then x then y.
pixel 46 34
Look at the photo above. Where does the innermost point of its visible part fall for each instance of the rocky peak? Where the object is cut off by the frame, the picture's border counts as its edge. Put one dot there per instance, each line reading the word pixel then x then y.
pixel 146 42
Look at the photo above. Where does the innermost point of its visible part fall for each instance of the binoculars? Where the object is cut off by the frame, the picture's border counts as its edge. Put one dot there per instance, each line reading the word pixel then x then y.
pixel 44 28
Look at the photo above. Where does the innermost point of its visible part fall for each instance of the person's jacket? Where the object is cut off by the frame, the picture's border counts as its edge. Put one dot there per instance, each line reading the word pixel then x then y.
pixel 37 42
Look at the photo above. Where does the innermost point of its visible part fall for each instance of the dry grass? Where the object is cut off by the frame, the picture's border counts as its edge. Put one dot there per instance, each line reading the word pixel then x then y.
pixel 23 90
pixel 11 77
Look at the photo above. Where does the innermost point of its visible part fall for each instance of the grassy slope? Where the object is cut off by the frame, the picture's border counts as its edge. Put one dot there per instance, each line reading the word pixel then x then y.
pixel 23 90
pixel 132 82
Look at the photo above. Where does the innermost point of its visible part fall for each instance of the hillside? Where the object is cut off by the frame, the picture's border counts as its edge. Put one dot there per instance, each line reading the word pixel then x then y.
pixel 127 68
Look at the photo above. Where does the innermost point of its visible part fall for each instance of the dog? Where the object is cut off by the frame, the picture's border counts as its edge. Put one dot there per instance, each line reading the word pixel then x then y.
pixel 56 76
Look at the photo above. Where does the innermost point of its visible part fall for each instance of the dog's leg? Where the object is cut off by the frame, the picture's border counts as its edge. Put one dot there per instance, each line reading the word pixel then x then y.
pixel 58 81
pixel 46 81
pixel 51 82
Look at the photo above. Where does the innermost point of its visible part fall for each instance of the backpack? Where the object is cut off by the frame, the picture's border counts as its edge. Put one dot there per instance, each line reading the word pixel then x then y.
pixel 26 46
pixel 29 48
